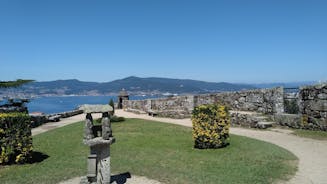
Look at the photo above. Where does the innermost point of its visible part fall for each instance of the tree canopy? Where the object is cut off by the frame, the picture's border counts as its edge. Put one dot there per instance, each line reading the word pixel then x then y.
pixel 16 83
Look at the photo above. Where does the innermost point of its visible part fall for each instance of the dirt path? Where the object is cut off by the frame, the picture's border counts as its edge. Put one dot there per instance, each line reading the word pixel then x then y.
pixel 312 154
pixel 63 122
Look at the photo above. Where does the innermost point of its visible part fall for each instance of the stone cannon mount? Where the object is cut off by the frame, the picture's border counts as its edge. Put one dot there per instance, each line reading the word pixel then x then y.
pixel 98 138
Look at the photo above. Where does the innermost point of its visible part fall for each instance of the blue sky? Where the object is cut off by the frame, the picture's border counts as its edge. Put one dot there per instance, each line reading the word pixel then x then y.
pixel 212 40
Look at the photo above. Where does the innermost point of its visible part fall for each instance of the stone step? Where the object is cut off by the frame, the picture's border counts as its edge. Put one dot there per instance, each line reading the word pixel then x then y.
pixel 265 124
pixel 260 118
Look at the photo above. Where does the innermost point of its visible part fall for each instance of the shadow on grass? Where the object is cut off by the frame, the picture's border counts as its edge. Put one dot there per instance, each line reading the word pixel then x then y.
pixel 38 157
pixel 120 178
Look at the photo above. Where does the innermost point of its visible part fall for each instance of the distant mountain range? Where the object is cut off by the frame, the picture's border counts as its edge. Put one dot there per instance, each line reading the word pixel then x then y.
pixel 134 86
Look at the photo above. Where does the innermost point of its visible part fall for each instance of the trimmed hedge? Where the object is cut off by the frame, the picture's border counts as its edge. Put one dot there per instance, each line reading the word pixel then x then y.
pixel 15 138
pixel 211 125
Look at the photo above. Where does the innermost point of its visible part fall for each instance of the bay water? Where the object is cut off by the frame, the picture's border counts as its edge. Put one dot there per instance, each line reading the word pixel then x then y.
pixel 50 105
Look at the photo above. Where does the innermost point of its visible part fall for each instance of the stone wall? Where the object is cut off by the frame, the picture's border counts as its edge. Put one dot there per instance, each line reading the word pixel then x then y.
pixel 174 107
pixel 245 119
pixel 313 106
pixel 288 120
pixel 268 101
pixel 141 105
pixel 40 119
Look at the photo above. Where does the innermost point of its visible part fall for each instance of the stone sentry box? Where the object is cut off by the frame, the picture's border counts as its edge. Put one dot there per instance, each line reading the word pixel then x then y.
pixel 98 138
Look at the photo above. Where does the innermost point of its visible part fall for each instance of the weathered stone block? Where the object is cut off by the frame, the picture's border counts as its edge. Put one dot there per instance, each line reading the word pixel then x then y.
pixel 319 105
pixel 290 120
pixel 264 124
pixel 92 167
pixel 96 108
pixel 88 133
pixel 106 126
pixel 322 96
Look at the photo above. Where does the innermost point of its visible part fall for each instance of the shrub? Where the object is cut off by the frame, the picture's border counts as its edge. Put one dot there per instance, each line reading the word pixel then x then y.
pixel 113 119
pixel 291 106
pixel 112 104
pixel 15 138
pixel 116 119
pixel 211 125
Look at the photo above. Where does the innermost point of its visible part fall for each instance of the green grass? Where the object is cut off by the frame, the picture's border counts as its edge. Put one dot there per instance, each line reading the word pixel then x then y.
pixel 158 151
pixel 319 135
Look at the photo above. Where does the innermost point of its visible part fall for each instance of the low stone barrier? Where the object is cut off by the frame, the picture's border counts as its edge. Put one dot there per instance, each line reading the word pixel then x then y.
pixel 312 106
pixel 289 120
pixel 244 119
pixel 268 101
pixel 38 119
pixel 70 113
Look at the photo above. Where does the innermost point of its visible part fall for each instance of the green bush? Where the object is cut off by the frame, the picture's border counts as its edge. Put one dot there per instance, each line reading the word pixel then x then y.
pixel 113 119
pixel 112 104
pixel 116 119
pixel 15 138
pixel 291 106
pixel 211 125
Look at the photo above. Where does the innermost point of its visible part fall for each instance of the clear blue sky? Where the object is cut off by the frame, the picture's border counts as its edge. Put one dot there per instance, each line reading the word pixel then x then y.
pixel 212 40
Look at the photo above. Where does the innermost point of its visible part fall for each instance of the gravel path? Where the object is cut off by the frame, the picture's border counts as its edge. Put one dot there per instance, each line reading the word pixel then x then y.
pixel 312 154
pixel 63 122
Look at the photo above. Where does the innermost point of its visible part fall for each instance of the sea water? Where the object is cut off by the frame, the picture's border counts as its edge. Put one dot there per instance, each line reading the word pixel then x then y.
pixel 50 105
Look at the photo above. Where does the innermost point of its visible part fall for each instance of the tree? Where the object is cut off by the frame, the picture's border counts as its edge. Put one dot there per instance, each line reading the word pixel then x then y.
pixel 112 104
pixel 13 84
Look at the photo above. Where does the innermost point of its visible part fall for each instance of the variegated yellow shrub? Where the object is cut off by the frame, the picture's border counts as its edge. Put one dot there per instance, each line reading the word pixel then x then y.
pixel 15 138
pixel 211 125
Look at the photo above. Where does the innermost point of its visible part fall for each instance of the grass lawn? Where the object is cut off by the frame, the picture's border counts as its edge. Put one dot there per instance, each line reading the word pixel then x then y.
pixel 319 135
pixel 158 151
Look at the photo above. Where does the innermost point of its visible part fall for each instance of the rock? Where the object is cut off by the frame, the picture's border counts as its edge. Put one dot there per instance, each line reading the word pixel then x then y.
pixel 290 120
pixel 88 133
pixel 264 124
pixel 96 108
pixel 106 126
pixel 322 96
pixel 319 105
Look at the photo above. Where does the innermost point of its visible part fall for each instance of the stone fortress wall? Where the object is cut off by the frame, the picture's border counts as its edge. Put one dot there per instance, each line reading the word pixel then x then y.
pixel 312 114
pixel 267 101
pixel 260 103
pixel 313 106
